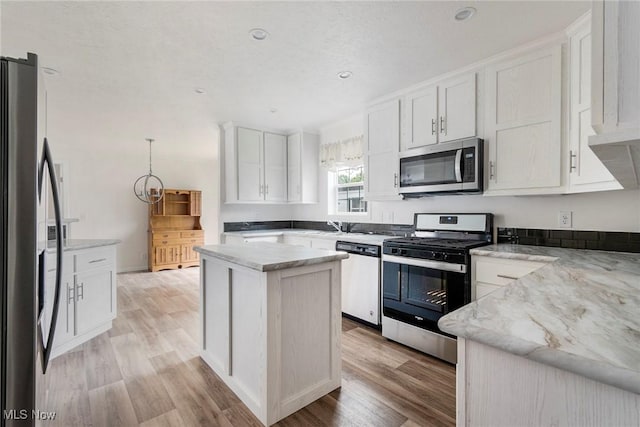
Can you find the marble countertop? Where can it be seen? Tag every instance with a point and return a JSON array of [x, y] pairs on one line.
[[76, 244], [373, 239], [267, 256], [580, 313]]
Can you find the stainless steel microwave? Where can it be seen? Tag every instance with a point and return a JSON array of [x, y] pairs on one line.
[[453, 167]]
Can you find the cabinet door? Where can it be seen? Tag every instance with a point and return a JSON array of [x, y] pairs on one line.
[[195, 203], [523, 122], [294, 171], [167, 254], [457, 108], [95, 299], [275, 167], [187, 254], [586, 171], [382, 128], [249, 155], [65, 324], [422, 118]]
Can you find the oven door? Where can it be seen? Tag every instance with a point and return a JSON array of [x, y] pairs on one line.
[[419, 292]]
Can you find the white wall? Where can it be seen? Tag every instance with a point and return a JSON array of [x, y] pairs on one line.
[[102, 144], [609, 210]]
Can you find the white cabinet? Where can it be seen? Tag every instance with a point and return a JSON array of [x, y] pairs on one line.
[[249, 154], [302, 164], [275, 167], [382, 135], [88, 297], [490, 273], [586, 171], [441, 112], [523, 123]]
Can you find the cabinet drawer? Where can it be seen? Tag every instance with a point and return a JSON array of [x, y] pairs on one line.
[[164, 235], [192, 233], [483, 289], [94, 258], [192, 242], [501, 271], [167, 242]]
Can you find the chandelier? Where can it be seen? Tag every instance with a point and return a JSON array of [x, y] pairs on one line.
[[149, 188]]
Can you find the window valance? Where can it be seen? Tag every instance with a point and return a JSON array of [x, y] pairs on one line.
[[347, 152]]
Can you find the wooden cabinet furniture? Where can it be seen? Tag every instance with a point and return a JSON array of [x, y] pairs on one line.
[[523, 123], [382, 136], [302, 167], [87, 300], [586, 171], [489, 274], [174, 229], [441, 112]]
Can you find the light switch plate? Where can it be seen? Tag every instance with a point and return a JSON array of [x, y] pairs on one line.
[[564, 219]]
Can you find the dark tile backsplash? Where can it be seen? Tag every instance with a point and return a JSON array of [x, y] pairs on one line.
[[352, 227], [575, 239]]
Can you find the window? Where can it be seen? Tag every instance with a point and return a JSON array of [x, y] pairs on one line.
[[350, 190]]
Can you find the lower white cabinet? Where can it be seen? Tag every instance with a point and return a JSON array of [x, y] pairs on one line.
[[489, 273], [87, 300]]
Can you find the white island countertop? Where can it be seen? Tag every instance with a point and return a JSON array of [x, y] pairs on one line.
[[580, 313], [267, 256]]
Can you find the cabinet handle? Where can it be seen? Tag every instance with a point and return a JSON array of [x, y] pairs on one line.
[[433, 126], [298, 189], [491, 173], [260, 189], [572, 156], [266, 189], [70, 292], [395, 179], [97, 260], [80, 294], [443, 129], [164, 242], [504, 276]]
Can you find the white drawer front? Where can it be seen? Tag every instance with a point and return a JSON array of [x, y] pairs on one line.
[[91, 259], [502, 271]]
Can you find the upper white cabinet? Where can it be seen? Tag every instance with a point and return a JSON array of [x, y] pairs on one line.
[[615, 88], [586, 171], [302, 164], [440, 112], [523, 123], [268, 167], [275, 167], [382, 136]]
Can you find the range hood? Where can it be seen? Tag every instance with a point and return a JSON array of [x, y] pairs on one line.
[[620, 153]]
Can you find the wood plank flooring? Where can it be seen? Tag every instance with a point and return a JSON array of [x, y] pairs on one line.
[[146, 371]]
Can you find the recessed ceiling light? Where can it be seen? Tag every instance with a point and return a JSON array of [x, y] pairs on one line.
[[199, 90], [465, 14], [258, 34], [273, 110], [50, 71], [345, 74]]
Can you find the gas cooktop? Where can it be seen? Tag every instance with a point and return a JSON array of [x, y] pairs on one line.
[[434, 243]]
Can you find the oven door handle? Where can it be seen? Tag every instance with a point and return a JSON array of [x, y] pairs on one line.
[[436, 265], [457, 167]]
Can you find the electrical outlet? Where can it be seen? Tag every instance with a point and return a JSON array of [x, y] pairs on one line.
[[564, 219]]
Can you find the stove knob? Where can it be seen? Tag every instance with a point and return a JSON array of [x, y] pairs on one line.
[[403, 251], [445, 257], [437, 255]]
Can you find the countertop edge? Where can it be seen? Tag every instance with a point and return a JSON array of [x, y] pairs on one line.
[[79, 244]]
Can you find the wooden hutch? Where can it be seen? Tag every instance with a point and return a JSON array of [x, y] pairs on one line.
[[174, 229]]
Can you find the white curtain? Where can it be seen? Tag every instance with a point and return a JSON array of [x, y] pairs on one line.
[[348, 152]]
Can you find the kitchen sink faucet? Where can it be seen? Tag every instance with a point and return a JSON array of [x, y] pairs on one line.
[[337, 226]]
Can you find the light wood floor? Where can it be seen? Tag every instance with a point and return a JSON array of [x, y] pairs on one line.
[[146, 371]]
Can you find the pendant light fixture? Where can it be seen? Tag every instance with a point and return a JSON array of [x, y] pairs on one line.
[[149, 188]]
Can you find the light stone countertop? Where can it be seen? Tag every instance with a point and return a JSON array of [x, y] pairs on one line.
[[267, 256], [373, 239], [76, 244], [579, 313]]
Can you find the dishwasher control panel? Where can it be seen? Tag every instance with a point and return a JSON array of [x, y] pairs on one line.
[[358, 248]]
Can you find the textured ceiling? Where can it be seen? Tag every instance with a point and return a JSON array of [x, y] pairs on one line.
[[149, 56]]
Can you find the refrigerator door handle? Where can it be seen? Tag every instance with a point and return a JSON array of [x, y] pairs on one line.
[[46, 349]]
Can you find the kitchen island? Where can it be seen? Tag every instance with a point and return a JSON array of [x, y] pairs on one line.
[[559, 346], [270, 317]]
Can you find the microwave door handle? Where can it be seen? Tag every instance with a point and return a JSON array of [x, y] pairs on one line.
[[46, 157], [458, 169]]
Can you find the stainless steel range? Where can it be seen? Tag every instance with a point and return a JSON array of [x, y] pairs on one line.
[[429, 275]]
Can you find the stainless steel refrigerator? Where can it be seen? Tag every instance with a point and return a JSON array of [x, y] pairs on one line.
[[28, 304]]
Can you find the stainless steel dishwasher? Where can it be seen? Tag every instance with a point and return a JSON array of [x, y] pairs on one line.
[[361, 281]]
